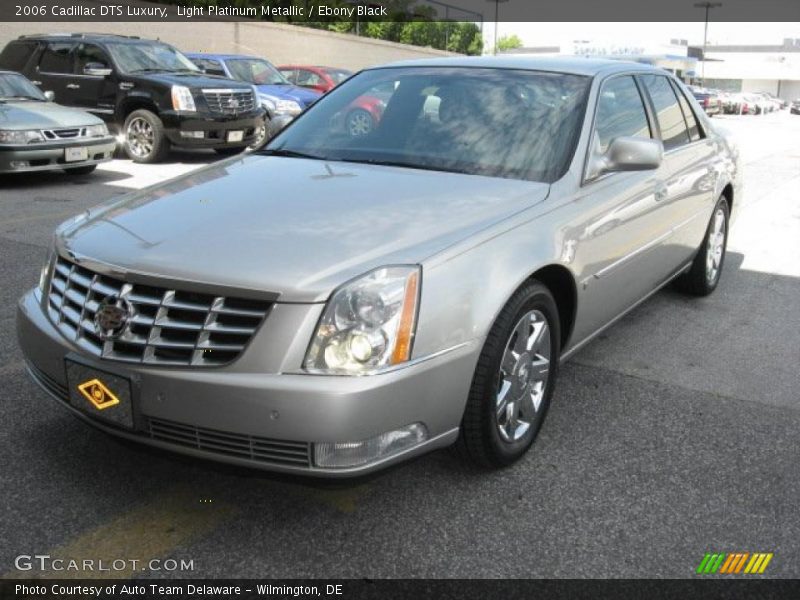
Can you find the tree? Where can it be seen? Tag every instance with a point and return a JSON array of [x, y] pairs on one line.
[[508, 42]]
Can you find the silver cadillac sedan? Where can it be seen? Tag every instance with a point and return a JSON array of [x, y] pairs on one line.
[[336, 303]]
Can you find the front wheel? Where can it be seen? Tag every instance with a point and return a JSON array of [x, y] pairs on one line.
[[513, 381], [145, 141], [359, 122], [703, 276]]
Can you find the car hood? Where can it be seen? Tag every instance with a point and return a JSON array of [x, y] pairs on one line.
[[295, 227], [29, 114], [193, 80], [291, 92]]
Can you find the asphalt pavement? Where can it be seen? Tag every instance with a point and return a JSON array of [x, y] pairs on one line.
[[672, 435]]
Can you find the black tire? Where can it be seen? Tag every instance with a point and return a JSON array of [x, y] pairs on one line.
[[359, 122], [230, 151], [480, 440], [159, 147], [80, 170], [698, 281]]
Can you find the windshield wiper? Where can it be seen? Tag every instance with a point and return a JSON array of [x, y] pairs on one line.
[[398, 163], [148, 70], [289, 153]]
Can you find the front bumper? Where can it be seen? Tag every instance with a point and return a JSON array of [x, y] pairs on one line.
[[213, 127], [48, 156], [218, 413]]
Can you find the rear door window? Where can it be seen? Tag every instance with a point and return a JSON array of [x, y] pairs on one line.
[[57, 58], [674, 132], [695, 133]]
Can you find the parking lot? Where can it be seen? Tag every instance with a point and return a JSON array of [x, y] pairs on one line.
[[672, 435]]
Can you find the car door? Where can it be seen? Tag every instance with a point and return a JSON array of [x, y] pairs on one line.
[[689, 163], [55, 72], [96, 93], [622, 216]]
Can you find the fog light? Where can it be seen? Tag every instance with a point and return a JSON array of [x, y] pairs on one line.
[[353, 454], [193, 134]]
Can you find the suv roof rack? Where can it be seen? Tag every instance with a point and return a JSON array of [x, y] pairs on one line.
[[79, 35]]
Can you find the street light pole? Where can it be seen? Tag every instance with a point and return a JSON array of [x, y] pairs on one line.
[[708, 6], [496, 17]]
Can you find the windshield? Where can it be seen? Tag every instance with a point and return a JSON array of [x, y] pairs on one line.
[[338, 75], [149, 56], [496, 122], [255, 70], [18, 87]]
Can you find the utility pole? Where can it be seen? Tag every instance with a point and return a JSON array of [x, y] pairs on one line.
[[496, 18], [708, 6]]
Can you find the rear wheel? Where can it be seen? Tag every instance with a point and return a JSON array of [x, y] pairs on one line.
[[513, 381], [85, 170], [145, 141], [703, 276]]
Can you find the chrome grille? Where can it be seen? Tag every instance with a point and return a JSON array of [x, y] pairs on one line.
[[232, 444], [167, 326], [228, 101]]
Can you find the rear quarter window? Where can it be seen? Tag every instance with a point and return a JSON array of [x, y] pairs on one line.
[[15, 56]]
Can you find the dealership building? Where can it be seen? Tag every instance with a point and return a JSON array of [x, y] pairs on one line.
[[735, 68]]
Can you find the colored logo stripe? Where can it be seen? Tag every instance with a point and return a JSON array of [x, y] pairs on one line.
[[734, 562]]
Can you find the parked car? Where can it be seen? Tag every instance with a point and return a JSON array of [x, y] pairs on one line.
[[39, 135], [367, 302], [759, 105], [282, 100], [147, 91], [795, 107], [710, 102], [321, 79]]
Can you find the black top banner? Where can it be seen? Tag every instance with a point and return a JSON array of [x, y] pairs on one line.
[[401, 10]]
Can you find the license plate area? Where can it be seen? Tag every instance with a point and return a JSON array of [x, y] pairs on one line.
[[235, 136], [75, 154], [100, 394]]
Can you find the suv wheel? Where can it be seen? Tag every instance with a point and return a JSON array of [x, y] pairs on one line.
[[514, 380], [145, 141]]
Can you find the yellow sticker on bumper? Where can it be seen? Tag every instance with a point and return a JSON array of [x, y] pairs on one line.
[[98, 394]]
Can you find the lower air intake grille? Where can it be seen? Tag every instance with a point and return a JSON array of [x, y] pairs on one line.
[[260, 449]]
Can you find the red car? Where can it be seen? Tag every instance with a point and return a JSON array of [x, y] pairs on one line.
[[322, 79]]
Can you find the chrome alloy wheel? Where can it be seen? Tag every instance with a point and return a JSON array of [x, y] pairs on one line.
[[359, 122], [140, 137], [522, 379], [716, 246]]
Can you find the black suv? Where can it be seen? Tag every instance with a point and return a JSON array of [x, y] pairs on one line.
[[145, 90]]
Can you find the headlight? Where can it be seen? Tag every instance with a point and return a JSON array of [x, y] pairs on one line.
[[21, 137], [97, 130], [182, 98], [368, 324], [278, 106]]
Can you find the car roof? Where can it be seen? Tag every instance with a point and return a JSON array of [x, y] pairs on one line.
[[576, 65], [95, 37]]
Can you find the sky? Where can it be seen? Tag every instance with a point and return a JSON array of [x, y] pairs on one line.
[[553, 34]]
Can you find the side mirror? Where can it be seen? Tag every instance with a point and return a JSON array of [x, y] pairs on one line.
[[50, 95], [627, 154], [96, 69]]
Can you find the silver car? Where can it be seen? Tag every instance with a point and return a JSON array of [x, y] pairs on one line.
[[39, 135], [333, 304]]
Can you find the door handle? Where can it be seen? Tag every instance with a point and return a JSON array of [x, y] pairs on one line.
[[73, 86], [661, 192], [34, 82]]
